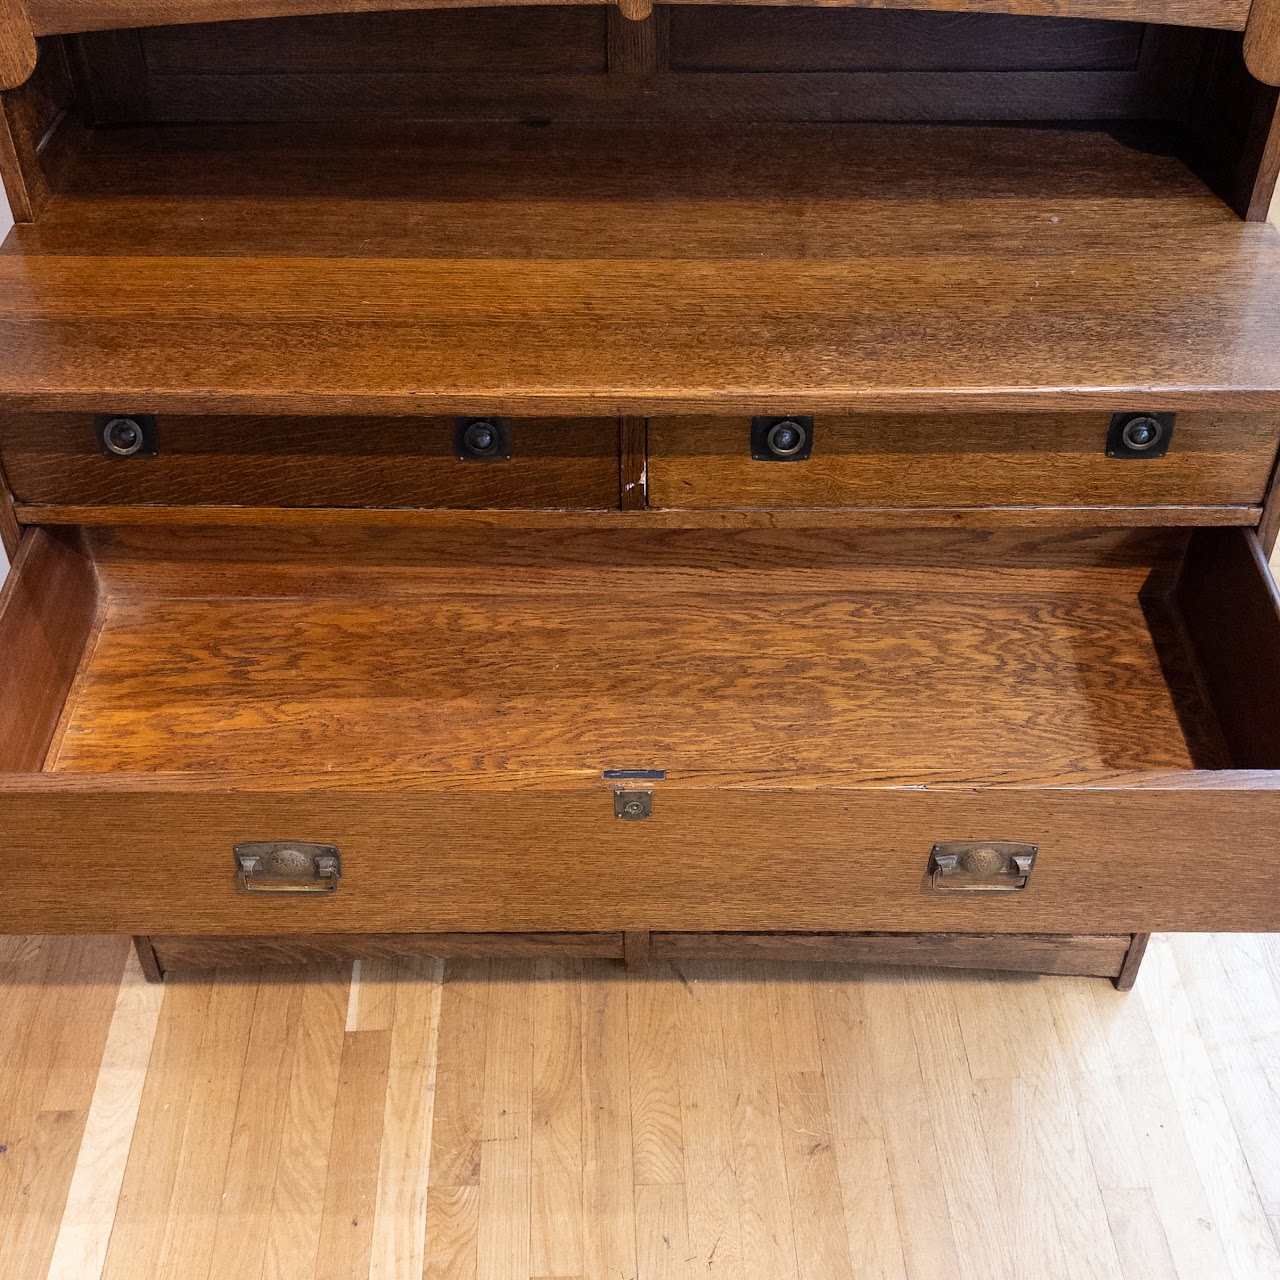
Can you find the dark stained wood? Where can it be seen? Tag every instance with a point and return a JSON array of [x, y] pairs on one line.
[[1088, 955], [1231, 609], [1009, 328], [1230, 137], [679, 518], [16, 186], [1054, 459], [795, 40], [1269, 522], [194, 952], [633, 476], [637, 48], [1128, 974], [489, 41], [1267, 172], [1262, 40], [149, 962], [10, 529], [48, 16], [39, 135], [543, 63], [17, 44], [1095, 955], [635, 949], [314, 462], [501, 191], [47, 609]]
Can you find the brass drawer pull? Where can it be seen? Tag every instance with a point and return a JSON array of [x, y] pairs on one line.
[[282, 866], [981, 866]]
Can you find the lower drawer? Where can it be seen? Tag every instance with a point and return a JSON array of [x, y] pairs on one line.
[[622, 730], [963, 460]]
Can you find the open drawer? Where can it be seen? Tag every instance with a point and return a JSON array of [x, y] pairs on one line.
[[612, 727]]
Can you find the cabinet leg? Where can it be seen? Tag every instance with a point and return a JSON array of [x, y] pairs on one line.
[[147, 959], [635, 949], [1128, 974]]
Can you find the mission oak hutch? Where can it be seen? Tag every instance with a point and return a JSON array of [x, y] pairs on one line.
[[623, 481]]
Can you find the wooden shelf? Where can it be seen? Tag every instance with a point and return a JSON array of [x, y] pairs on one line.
[[579, 270]]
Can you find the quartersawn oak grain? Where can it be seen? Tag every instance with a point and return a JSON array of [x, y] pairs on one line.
[[317, 462], [47, 609], [1262, 41], [1113, 859], [17, 44], [1023, 323], [1050, 459]]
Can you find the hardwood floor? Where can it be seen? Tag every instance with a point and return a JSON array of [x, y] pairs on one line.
[[496, 1119]]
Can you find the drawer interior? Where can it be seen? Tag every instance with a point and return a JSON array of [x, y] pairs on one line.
[[486, 656]]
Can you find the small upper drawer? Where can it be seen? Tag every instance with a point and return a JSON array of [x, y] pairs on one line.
[[314, 462], [963, 460]]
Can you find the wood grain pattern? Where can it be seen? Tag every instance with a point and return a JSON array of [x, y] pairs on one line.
[[1262, 41], [1052, 459], [40, 135], [602, 190], [833, 519], [1115, 859], [56, 1002], [17, 44], [445, 337], [175, 953], [1097, 954], [318, 462], [1037, 316], [1143, 1100], [47, 609], [94, 1189], [10, 529], [1128, 974], [51, 16], [740, 674]]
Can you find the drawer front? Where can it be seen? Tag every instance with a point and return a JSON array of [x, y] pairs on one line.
[[939, 460], [313, 462], [127, 857]]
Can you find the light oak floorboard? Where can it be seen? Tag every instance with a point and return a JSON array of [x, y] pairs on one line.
[[475, 1120]]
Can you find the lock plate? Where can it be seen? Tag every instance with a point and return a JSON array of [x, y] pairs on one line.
[[981, 866], [482, 440], [632, 806], [1140, 435], [781, 439], [127, 435], [287, 866]]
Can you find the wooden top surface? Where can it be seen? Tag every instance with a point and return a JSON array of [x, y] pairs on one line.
[[573, 270]]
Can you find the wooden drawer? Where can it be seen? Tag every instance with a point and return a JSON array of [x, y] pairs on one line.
[[809, 716], [312, 462], [963, 460]]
